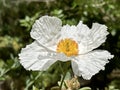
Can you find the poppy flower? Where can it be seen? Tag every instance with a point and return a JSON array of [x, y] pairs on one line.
[[54, 42]]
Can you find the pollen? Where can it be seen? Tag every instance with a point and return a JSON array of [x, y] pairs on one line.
[[68, 46]]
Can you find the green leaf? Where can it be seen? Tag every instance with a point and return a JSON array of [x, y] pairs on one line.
[[85, 88]]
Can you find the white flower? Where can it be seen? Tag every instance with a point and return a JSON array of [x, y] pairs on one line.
[[55, 42]]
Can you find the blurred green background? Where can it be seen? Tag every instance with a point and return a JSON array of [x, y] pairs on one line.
[[16, 19]]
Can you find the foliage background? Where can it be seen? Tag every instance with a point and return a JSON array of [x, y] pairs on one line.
[[16, 19]]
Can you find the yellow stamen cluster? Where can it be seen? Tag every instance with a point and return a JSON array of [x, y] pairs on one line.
[[68, 46]]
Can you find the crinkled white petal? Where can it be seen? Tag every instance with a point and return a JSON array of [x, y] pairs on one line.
[[36, 57], [45, 29], [83, 30], [93, 38], [74, 32], [68, 31], [91, 63]]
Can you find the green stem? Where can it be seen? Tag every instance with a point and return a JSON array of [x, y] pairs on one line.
[[62, 81], [63, 73]]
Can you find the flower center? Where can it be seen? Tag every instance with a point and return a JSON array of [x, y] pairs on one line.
[[68, 47]]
